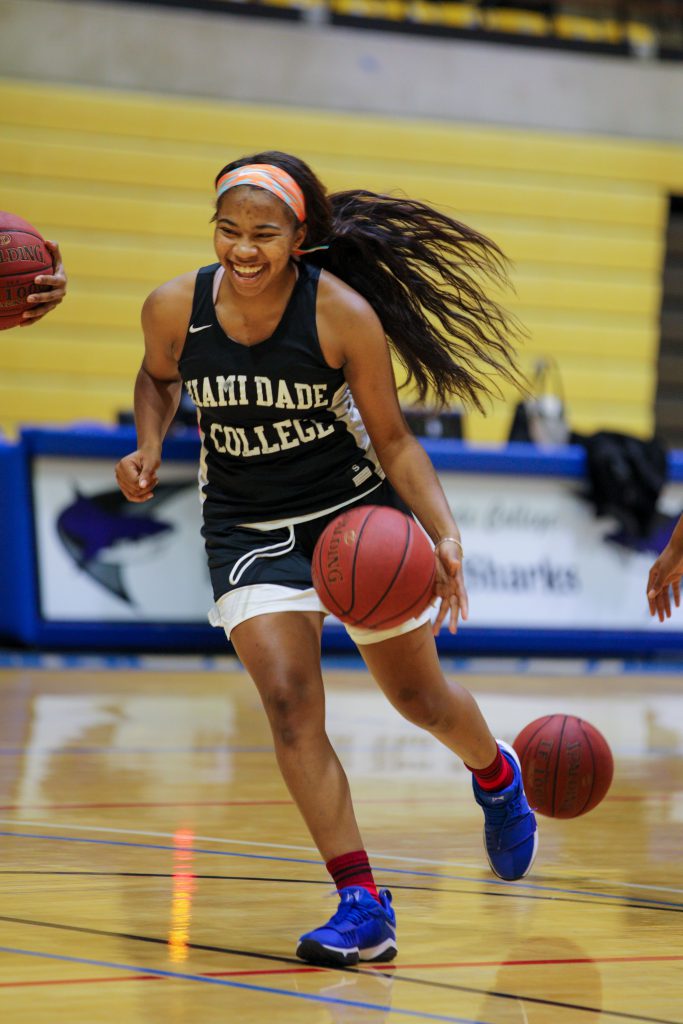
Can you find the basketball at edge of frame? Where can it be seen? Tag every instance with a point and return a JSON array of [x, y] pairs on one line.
[[374, 567], [567, 765], [23, 256]]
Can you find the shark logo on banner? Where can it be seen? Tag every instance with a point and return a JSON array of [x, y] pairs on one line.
[[98, 531]]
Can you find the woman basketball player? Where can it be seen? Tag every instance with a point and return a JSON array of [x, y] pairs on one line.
[[282, 346]]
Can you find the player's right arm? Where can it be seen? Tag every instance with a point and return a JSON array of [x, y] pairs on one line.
[[165, 319]]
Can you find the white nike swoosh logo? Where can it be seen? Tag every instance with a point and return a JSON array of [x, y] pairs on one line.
[[193, 329]]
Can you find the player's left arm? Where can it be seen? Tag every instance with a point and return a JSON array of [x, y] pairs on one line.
[[55, 283], [352, 337]]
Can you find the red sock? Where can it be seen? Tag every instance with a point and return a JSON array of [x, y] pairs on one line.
[[498, 775], [353, 869]]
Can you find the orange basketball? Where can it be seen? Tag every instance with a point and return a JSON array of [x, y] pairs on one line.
[[23, 255], [567, 765], [374, 567]]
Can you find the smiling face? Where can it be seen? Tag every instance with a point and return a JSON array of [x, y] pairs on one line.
[[254, 238]]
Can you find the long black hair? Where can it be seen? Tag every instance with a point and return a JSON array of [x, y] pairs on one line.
[[421, 271]]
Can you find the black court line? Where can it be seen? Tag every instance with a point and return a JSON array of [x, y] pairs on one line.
[[275, 958], [510, 887], [497, 894]]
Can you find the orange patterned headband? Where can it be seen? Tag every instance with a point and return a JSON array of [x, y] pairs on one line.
[[272, 179]]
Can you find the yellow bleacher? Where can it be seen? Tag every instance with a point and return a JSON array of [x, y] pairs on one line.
[[124, 182], [599, 27]]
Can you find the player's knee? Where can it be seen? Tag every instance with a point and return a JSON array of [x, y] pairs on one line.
[[292, 710], [425, 710]]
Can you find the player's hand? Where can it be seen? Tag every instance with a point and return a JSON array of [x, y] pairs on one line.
[[663, 580], [43, 302], [136, 474], [450, 586]]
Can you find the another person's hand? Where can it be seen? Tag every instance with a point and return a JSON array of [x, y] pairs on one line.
[[136, 474], [450, 586], [665, 579], [43, 302]]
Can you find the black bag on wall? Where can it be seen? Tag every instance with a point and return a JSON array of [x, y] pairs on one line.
[[625, 477]]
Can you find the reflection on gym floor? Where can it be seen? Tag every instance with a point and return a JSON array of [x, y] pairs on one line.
[[154, 867]]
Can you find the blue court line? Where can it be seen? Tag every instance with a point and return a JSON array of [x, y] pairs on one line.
[[160, 846], [509, 886], [224, 982]]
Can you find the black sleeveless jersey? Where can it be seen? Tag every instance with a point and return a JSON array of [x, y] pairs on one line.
[[281, 435]]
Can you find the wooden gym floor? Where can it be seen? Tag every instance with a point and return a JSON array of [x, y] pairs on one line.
[[153, 867]]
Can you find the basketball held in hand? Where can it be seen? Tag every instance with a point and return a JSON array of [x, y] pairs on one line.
[[23, 256], [567, 765], [374, 567]]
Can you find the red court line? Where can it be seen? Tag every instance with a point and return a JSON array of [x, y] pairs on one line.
[[208, 803], [155, 977], [78, 981], [285, 803], [370, 967]]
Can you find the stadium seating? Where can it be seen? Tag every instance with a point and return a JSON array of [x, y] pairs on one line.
[[639, 26]]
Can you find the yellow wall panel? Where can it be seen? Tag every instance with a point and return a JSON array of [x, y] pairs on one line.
[[252, 126], [545, 244], [105, 163], [146, 263], [94, 210], [124, 182], [30, 401], [46, 354], [98, 309], [551, 333], [545, 292], [169, 211]]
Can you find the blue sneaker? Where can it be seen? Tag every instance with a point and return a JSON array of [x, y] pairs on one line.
[[510, 835], [362, 929]]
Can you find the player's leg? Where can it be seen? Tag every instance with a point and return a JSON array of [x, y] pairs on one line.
[[266, 604], [281, 652], [407, 668]]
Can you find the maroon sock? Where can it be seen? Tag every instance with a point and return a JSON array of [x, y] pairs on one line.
[[498, 775], [353, 869]]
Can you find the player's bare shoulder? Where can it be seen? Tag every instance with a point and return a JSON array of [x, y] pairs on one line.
[[344, 318], [338, 299], [166, 312], [170, 299]]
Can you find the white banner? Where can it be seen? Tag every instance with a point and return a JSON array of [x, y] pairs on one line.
[[536, 555]]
